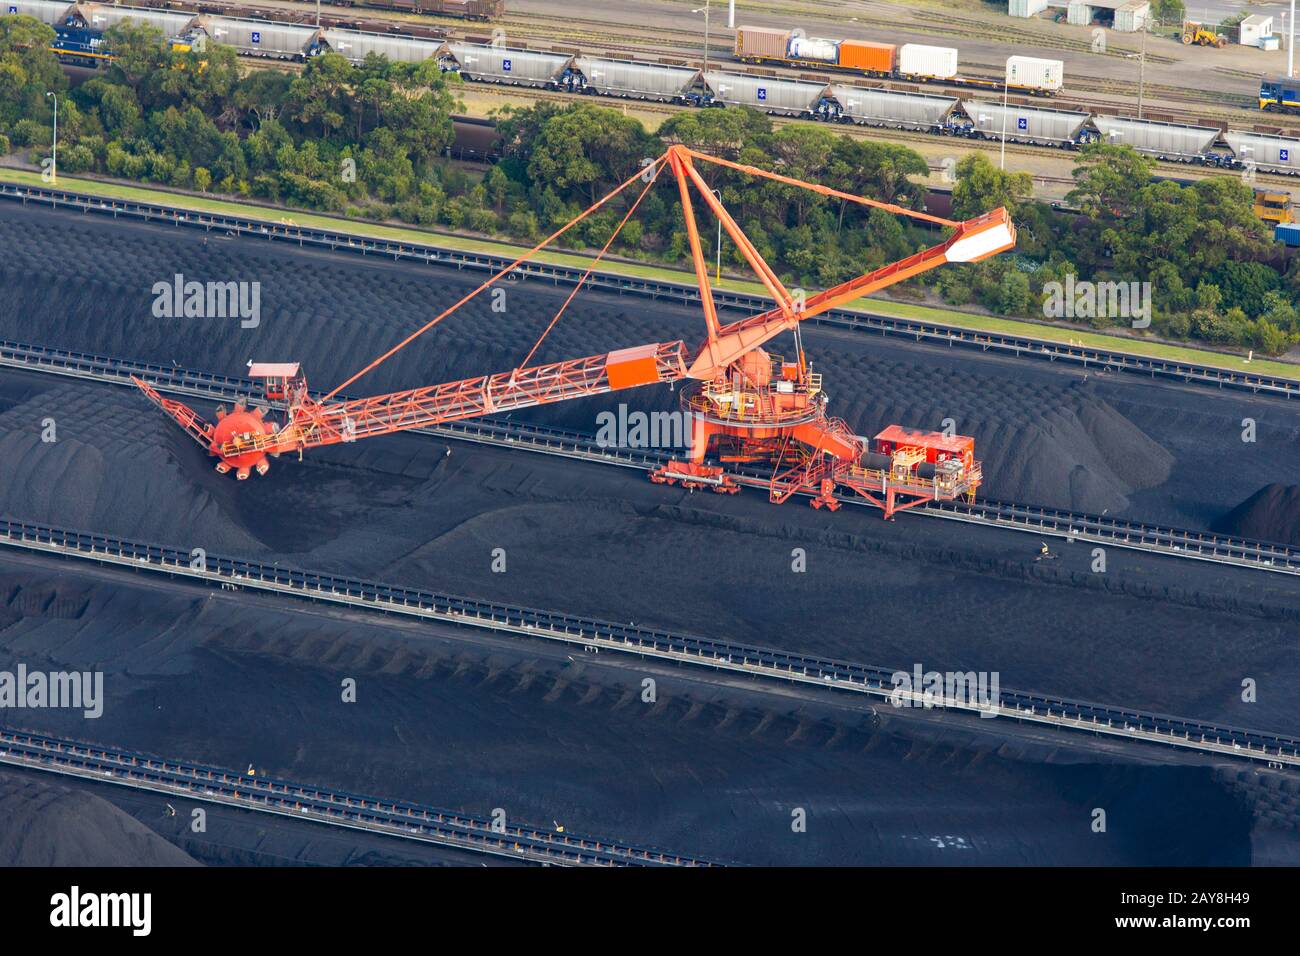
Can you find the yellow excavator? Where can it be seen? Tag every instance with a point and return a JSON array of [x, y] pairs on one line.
[[1198, 34]]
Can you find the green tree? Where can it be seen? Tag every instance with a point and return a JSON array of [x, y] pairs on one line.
[[876, 170], [584, 151], [319, 97], [1109, 180], [138, 54], [1169, 11], [27, 70], [260, 96], [720, 132], [981, 187], [204, 79]]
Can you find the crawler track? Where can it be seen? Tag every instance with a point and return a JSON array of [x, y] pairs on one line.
[[411, 821]]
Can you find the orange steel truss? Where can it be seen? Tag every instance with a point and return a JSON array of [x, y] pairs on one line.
[[811, 455]]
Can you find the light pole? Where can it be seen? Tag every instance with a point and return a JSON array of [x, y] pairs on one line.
[[731, 14], [1142, 66], [54, 159], [1290, 46], [718, 280], [1006, 108], [705, 10]]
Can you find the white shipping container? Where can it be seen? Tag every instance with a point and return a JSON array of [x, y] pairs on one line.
[[1029, 72], [915, 59], [1254, 28], [1133, 17], [809, 48], [1026, 8]]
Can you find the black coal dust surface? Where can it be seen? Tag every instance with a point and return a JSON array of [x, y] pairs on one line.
[[50, 823], [237, 837], [1270, 514], [472, 723], [1051, 435], [1146, 632], [589, 539]]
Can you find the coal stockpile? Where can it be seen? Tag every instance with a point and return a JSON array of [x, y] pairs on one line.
[[401, 508], [471, 723], [590, 539], [1046, 437], [108, 467], [53, 824], [464, 720], [1043, 442], [1270, 514], [1225, 445]]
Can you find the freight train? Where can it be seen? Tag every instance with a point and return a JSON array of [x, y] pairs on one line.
[[914, 62], [460, 9], [831, 102], [925, 112], [1280, 95], [464, 9]]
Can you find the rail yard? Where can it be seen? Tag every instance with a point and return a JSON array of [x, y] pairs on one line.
[[467, 433], [1200, 138]]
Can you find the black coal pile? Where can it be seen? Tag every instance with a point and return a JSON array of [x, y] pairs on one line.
[[80, 458], [1270, 514], [53, 825], [1045, 439], [1049, 442]]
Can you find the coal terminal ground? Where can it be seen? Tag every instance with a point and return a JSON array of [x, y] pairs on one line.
[[1158, 633]]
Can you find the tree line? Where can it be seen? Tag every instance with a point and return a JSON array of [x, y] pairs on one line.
[[370, 140]]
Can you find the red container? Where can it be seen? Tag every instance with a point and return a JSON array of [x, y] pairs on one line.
[[938, 446]]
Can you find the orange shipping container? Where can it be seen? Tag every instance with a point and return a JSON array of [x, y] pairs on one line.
[[868, 57]]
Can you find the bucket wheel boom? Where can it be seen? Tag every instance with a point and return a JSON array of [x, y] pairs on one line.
[[241, 440]]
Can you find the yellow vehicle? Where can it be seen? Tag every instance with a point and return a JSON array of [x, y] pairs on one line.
[[1273, 207], [195, 41], [1196, 33]]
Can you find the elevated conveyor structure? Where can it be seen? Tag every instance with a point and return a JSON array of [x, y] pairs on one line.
[[744, 404]]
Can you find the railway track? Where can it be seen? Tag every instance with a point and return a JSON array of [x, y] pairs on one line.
[[651, 109], [625, 50], [872, 682], [683, 45], [852, 130], [410, 821], [686, 45], [856, 321], [516, 94]]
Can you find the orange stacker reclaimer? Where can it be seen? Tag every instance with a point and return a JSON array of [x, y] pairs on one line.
[[745, 404]]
